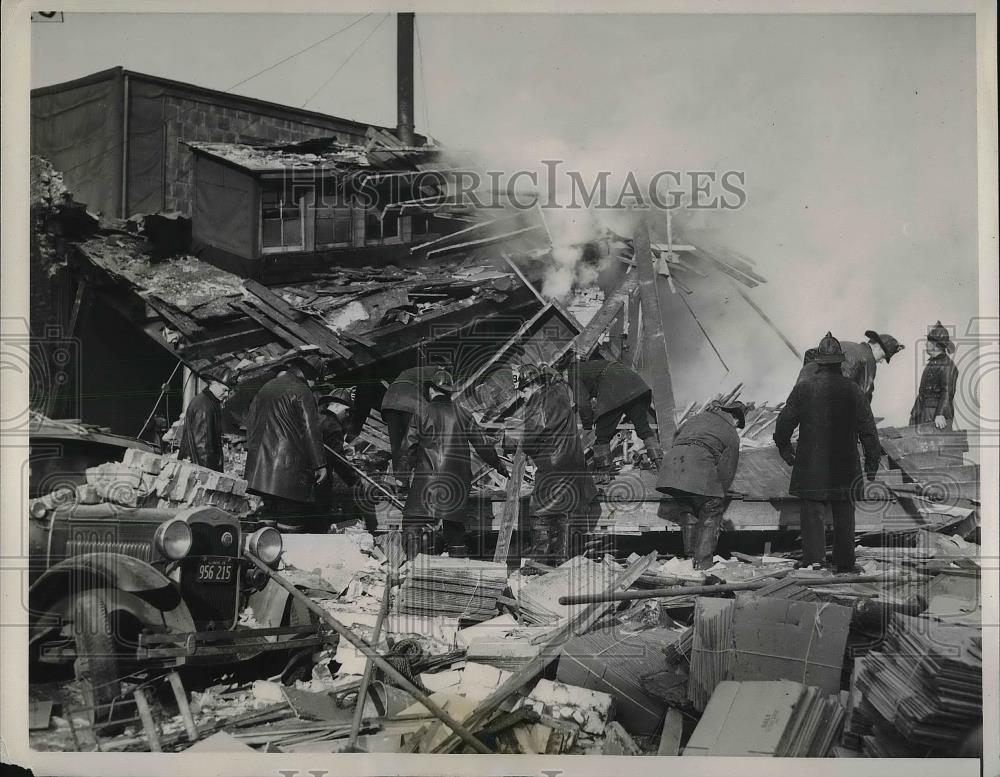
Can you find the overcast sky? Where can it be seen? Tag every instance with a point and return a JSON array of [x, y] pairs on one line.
[[856, 133]]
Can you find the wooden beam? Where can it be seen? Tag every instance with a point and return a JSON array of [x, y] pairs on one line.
[[654, 339], [587, 340], [302, 325], [277, 329], [484, 241], [768, 321], [511, 506]]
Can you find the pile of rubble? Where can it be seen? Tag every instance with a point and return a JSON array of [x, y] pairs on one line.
[[146, 479], [751, 657]]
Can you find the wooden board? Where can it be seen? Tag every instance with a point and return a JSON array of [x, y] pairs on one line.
[[511, 506]]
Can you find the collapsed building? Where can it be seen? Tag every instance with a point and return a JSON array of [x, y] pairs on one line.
[[252, 252]]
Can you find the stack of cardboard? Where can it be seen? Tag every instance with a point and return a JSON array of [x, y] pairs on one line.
[[538, 599], [926, 681], [763, 638], [453, 587], [144, 479], [768, 718], [711, 648]]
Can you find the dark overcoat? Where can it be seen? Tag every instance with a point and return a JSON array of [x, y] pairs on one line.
[[201, 441], [563, 486], [408, 389], [284, 442], [611, 383], [832, 415], [703, 457], [437, 451], [936, 395]]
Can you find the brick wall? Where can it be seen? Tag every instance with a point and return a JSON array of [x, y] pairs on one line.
[[187, 119]]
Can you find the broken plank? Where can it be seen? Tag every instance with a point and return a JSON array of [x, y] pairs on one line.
[[280, 331], [484, 241], [587, 340], [296, 321], [511, 506], [670, 737], [180, 321]]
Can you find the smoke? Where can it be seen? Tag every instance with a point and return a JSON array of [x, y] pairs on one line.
[[859, 161]]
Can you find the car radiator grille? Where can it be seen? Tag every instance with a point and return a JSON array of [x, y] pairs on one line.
[[140, 550]]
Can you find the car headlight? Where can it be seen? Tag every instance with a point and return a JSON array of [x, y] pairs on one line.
[[37, 509], [173, 539], [265, 544]]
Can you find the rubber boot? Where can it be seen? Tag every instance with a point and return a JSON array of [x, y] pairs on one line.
[[558, 539], [539, 548], [706, 539], [654, 451], [602, 463]]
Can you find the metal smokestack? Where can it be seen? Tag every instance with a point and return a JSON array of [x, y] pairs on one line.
[[404, 78]]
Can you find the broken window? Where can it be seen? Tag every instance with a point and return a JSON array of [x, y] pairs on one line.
[[281, 221], [333, 225], [379, 227], [420, 224]]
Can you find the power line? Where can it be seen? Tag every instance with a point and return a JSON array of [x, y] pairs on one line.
[[297, 53], [344, 63]]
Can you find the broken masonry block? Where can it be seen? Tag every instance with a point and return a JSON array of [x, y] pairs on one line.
[[86, 494]]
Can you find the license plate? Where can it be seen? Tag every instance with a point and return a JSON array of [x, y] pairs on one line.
[[214, 571]]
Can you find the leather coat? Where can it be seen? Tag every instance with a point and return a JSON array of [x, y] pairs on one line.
[[201, 441], [832, 415], [436, 451], [703, 457], [563, 486], [611, 383], [936, 395], [284, 442]]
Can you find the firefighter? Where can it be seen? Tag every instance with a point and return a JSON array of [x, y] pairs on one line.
[[285, 460], [563, 507], [437, 453], [606, 390], [400, 402], [201, 441], [832, 415], [860, 360], [697, 472], [335, 412], [935, 400]]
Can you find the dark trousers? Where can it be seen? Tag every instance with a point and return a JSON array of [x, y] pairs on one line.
[[700, 519], [812, 520], [637, 411], [558, 537], [294, 517], [398, 422]]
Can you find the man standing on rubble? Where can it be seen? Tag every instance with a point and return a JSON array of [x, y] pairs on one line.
[[563, 509], [935, 400], [606, 390], [437, 452], [285, 459], [860, 360], [400, 402], [335, 409], [697, 472], [201, 441], [832, 415]]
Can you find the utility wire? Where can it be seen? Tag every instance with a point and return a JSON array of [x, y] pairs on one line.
[[297, 53], [344, 63]]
